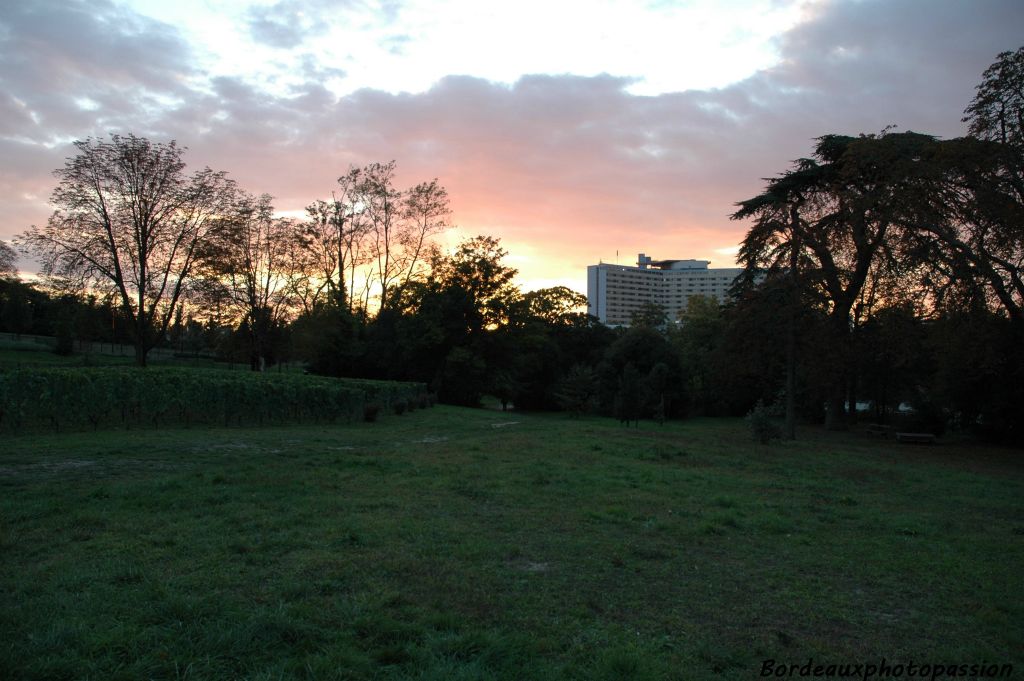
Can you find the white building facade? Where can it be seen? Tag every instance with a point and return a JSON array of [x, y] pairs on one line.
[[615, 292]]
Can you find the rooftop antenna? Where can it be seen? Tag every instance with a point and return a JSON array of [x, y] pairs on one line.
[[616, 256]]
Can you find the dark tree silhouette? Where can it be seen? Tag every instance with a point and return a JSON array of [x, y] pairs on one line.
[[997, 111], [129, 219], [8, 258], [831, 222]]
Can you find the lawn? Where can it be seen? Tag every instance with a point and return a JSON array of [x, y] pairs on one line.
[[474, 544]]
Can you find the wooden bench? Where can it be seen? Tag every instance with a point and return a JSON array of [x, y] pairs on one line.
[[916, 438], [879, 429]]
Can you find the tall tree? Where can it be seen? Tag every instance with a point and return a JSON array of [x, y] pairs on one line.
[[966, 231], [426, 212], [476, 269], [400, 225], [997, 111], [128, 218], [334, 234], [829, 222], [381, 202], [256, 261]]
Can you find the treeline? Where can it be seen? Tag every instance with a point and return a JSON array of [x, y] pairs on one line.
[[883, 270], [466, 331]]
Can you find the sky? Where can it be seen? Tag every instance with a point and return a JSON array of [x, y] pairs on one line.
[[576, 131]]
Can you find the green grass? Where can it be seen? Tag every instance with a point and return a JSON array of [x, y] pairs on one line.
[[461, 544]]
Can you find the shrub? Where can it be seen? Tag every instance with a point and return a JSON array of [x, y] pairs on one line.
[[762, 424], [370, 412], [94, 397]]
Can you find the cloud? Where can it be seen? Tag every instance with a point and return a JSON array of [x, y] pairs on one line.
[[288, 24], [283, 25], [566, 169], [66, 66]]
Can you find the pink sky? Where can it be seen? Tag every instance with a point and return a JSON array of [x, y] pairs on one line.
[[565, 169]]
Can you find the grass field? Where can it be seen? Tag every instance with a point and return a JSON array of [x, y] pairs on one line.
[[461, 544]]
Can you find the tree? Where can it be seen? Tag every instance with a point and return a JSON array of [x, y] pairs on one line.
[[333, 237], [426, 212], [997, 111], [476, 269], [558, 306], [255, 260], [16, 306], [641, 349], [629, 397], [129, 219], [965, 230], [649, 316], [831, 223], [8, 258], [975, 239], [400, 225], [578, 391], [700, 331]]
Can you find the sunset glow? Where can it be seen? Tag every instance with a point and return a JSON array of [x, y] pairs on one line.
[[575, 132]]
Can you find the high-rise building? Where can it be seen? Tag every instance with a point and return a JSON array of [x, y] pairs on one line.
[[615, 292]]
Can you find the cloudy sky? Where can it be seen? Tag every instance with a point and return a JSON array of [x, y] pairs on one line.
[[571, 129]]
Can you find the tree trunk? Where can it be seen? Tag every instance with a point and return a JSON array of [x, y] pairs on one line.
[[789, 432], [852, 400], [835, 414]]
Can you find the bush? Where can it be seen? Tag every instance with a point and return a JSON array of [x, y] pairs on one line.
[[370, 412], [399, 407], [762, 424]]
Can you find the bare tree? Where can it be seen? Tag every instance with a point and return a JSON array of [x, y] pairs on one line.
[[371, 239], [129, 219], [427, 213], [400, 224], [334, 235], [382, 204], [256, 263]]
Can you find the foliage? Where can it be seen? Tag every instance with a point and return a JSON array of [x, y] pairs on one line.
[[373, 231], [8, 260], [763, 423], [629, 397], [887, 221], [649, 316], [558, 305], [463, 378], [643, 349], [578, 391], [977, 379], [72, 399], [700, 331], [476, 271], [997, 110], [828, 222], [65, 332]]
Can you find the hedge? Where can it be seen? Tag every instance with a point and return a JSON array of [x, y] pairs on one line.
[[101, 397]]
